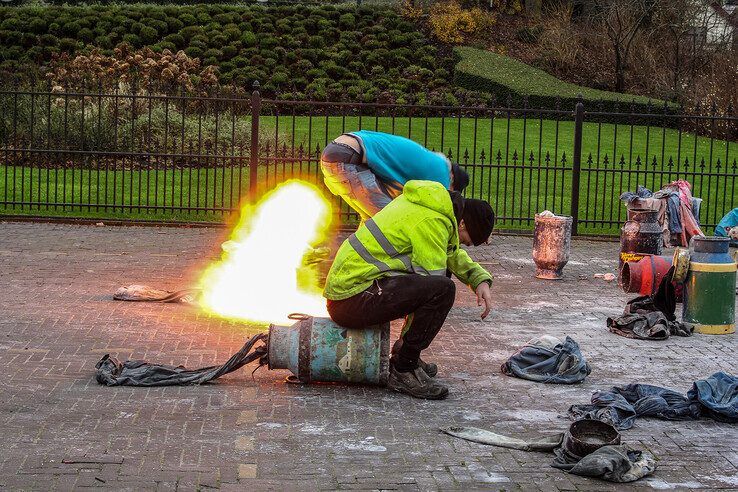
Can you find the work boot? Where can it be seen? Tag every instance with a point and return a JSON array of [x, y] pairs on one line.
[[430, 368], [416, 383]]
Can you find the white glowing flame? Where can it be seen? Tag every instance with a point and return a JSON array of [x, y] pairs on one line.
[[260, 276]]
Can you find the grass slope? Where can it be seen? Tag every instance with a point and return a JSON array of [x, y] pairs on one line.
[[483, 70]]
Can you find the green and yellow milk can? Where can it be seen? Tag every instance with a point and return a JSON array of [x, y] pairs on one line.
[[709, 288]]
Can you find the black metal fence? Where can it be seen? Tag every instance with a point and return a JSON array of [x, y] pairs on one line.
[[181, 156]]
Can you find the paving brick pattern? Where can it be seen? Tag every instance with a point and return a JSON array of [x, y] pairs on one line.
[[61, 430]]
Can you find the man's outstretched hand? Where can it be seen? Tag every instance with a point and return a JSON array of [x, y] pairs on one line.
[[484, 295]]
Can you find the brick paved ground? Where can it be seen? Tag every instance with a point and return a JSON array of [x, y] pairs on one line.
[[61, 430]]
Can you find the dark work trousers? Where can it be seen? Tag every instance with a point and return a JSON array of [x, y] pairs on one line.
[[424, 302]]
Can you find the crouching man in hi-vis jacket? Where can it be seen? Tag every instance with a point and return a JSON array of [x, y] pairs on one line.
[[394, 266]]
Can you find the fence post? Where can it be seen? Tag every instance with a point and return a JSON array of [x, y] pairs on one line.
[[254, 159], [577, 163]]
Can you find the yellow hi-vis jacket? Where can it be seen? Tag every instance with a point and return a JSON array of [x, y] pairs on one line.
[[415, 233]]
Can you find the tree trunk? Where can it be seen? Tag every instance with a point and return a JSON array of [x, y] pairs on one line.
[[619, 72], [677, 69]]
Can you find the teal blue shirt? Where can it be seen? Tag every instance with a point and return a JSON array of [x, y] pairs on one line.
[[398, 159]]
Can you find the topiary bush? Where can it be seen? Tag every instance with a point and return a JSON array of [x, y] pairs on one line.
[[309, 51]]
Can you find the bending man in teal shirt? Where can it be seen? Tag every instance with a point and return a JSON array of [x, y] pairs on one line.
[[368, 169]]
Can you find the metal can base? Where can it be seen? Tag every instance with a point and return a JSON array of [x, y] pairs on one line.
[[714, 329], [548, 274]]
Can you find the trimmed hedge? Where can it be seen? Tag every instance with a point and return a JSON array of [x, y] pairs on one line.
[[328, 52], [482, 70]]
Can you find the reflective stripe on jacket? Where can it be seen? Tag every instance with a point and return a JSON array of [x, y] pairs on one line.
[[415, 233]]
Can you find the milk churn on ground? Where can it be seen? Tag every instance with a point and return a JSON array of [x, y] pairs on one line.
[[644, 276], [317, 349], [709, 289], [551, 245], [639, 236]]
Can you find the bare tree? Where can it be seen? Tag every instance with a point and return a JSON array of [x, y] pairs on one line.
[[698, 34], [623, 19]]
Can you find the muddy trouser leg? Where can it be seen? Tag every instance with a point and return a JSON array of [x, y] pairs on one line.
[[428, 299]]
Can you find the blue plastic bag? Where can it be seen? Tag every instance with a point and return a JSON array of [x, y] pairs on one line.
[[730, 220]]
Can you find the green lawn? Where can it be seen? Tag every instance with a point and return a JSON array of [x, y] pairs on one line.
[[182, 195], [516, 187], [521, 135]]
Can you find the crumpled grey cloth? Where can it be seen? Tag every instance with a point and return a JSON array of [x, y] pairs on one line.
[[648, 326], [612, 463], [483, 436], [641, 192], [673, 212], [715, 397], [111, 372], [144, 293], [718, 396], [652, 317], [620, 406], [547, 359]]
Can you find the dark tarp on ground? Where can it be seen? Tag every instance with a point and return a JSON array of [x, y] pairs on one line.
[[111, 372], [547, 359], [715, 397]]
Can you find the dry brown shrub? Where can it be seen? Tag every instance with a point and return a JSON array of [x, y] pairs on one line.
[[127, 68], [645, 72], [716, 92], [560, 44]]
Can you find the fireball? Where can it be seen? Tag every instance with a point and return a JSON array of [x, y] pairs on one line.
[[261, 276]]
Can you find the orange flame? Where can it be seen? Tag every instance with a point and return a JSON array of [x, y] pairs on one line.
[[261, 276]]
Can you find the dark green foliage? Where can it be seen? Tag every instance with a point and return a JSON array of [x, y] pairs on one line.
[[133, 40], [190, 32], [148, 35], [174, 24], [194, 52], [68, 45], [176, 39], [166, 45], [248, 39], [85, 35], [326, 52]]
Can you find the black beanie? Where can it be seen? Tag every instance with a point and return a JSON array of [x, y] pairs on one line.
[[461, 178], [479, 219]]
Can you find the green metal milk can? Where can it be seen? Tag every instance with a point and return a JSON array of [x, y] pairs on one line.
[[317, 349], [709, 289]]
